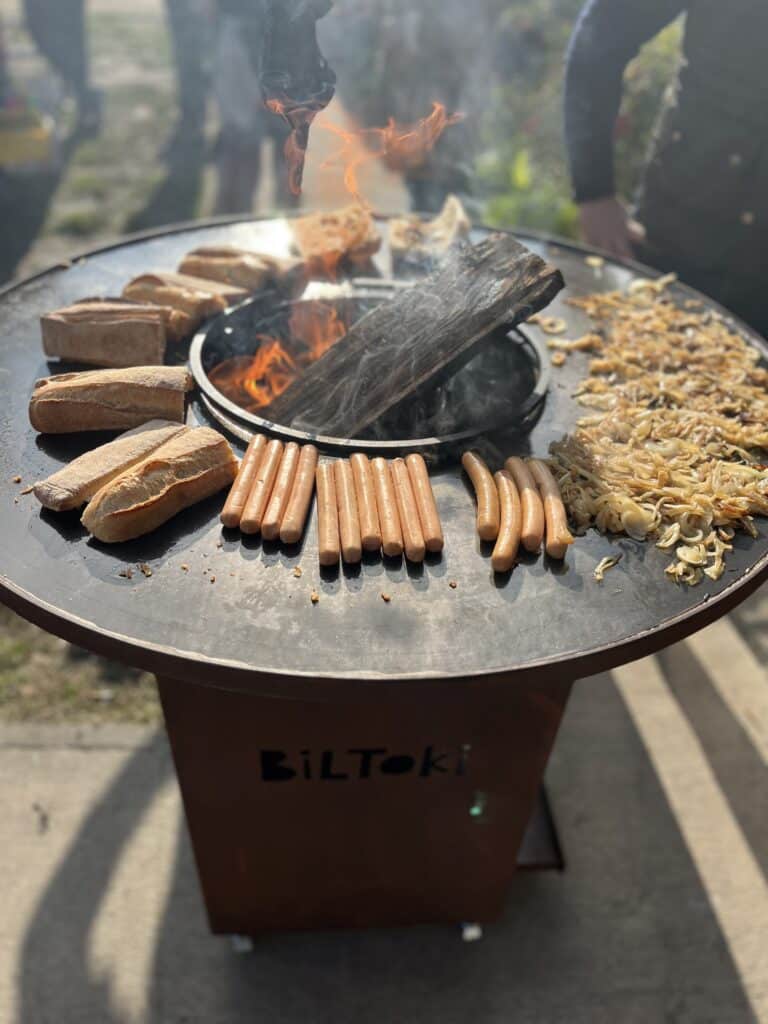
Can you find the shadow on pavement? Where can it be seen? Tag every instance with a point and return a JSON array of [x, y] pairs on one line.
[[625, 934], [737, 765]]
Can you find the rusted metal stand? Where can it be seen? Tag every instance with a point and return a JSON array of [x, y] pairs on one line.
[[394, 811]]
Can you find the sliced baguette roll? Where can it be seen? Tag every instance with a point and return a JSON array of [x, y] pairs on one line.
[[77, 482], [249, 270], [108, 399], [242, 268], [188, 468], [110, 333]]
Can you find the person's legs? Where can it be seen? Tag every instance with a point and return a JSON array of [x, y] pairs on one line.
[[241, 115], [187, 26], [238, 168], [58, 30]]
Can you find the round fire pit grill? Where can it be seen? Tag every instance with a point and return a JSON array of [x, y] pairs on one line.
[[397, 778], [514, 368]]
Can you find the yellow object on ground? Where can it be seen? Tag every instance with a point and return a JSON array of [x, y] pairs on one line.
[[26, 137]]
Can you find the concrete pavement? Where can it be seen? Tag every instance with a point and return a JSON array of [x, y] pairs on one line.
[[658, 783]]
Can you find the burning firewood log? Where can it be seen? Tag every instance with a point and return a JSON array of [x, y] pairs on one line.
[[403, 343]]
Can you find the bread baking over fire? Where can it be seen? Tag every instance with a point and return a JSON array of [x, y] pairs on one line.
[[329, 237], [190, 467], [108, 399], [78, 481], [411, 236]]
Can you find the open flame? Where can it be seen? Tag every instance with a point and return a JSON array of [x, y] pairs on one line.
[[401, 147], [252, 382]]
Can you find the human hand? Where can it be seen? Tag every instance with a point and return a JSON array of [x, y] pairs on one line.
[[606, 224]]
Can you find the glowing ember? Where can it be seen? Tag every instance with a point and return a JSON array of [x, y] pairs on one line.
[[252, 382], [401, 147]]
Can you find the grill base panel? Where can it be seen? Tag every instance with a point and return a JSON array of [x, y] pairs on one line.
[[414, 811]]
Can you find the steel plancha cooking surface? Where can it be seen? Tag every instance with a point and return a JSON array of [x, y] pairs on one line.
[[255, 628]]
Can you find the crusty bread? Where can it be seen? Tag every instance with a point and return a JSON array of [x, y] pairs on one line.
[[349, 233], [228, 294], [108, 399], [77, 482], [411, 236], [109, 333], [224, 263], [190, 467]]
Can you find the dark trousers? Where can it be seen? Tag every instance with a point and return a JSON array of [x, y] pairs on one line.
[[188, 32], [58, 30]]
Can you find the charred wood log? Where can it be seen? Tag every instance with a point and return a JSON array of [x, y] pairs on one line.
[[401, 345]]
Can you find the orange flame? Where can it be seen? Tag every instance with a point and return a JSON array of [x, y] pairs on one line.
[[254, 381], [401, 147]]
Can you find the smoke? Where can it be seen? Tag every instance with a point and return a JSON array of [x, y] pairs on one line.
[[395, 58]]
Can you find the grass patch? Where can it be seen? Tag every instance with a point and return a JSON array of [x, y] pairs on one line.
[[81, 223], [44, 679]]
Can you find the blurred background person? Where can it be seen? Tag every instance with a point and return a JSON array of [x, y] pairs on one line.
[[58, 30], [191, 29], [395, 58], [245, 125], [702, 210]]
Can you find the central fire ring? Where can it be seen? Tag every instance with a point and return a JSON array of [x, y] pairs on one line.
[[248, 354]]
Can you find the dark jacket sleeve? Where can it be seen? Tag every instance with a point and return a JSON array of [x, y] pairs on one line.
[[607, 35]]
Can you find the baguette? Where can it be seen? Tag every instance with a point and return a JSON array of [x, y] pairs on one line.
[[330, 237], [190, 467], [229, 294], [108, 399], [249, 270], [111, 333], [194, 298], [76, 483]]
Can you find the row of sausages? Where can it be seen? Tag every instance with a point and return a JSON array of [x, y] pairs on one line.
[[368, 505], [362, 504], [273, 490], [520, 504]]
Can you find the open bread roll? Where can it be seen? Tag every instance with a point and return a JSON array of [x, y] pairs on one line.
[[108, 399], [195, 298], [77, 482], [190, 467]]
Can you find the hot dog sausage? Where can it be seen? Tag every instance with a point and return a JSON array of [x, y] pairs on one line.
[[386, 504], [296, 511], [281, 492], [349, 521], [425, 502], [486, 494], [232, 512], [558, 535], [253, 513], [327, 515], [533, 510], [413, 538], [370, 531], [508, 541]]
